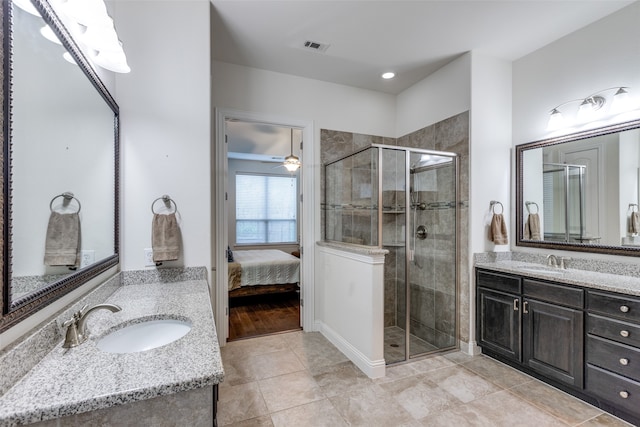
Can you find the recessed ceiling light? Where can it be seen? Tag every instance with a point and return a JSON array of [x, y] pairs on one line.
[[388, 75]]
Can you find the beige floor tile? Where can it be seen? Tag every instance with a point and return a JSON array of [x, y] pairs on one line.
[[420, 398], [605, 420], [371, 406], [341, 378], [459, 357], [300, 339], [500, 409], [263, 421], [396, 372], [462, 383], [287, 391], [315, 355], [556, 402], [262, 366], [431, 363], [252, 347], [239, 403], [497, 372], [316, 414]]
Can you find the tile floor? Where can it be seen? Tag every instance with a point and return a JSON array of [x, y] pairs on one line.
[[300, 379]]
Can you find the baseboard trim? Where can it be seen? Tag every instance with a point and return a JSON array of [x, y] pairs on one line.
[[372, 368]]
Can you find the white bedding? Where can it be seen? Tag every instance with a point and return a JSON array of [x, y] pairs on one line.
[[267, 267]]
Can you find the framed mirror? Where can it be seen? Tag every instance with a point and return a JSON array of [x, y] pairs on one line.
[[581, 192], [60, 180]]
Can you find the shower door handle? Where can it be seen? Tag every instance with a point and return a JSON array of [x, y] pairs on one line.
[[421, 232]]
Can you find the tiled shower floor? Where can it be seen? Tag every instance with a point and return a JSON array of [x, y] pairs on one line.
[[394, 337]]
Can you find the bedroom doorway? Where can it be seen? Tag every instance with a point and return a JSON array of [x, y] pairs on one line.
[[264, 227]]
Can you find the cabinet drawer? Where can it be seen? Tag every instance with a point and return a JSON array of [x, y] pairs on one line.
[[621, 306], [549, 292], [619, 358], [616, 330], [497, 281], [615, 389]]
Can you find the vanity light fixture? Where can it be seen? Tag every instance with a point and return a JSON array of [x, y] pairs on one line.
[[291, 162], [590, 107]]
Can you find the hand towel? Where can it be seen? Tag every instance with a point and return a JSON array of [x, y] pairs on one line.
[[165, 237], [498, 230], [634, 223], [62, 242], [532, 227]]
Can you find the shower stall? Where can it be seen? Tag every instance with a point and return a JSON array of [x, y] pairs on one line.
[[403, 200]]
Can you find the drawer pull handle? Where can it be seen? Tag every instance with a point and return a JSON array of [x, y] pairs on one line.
[[525, 306], [624, 333], [624, 394], [515, 304], [624, 308], [624, 361]]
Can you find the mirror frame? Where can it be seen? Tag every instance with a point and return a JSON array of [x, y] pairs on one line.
[[13, 312], [581, 247]]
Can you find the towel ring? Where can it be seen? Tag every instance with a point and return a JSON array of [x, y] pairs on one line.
[[68, 196], [633, 207], [167, 201], [532, 203], [493, 204]]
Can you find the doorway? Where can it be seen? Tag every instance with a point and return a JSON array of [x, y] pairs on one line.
[[264, 217], [267, 134]]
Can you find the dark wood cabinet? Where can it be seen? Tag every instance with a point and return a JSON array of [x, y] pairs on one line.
[[584, 341], [499, 323], [537, 324], [553, 341]]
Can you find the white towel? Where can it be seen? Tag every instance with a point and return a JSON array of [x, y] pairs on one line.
[[62, 242], [165, 237]]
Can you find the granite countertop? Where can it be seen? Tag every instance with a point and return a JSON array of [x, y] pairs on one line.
[[354, 248], [589, 279], [84, 378]]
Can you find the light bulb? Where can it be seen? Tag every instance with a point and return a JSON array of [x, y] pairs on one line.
[[621, 101], [556, 120]]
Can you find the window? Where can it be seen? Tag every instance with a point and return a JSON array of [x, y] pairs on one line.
[[266, 209]]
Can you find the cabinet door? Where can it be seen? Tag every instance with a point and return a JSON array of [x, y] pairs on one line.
[[553, 341], [499, 323]]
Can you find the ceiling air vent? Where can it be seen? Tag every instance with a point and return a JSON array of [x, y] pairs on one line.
[[315, 46]]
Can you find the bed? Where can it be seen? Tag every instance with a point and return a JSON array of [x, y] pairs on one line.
[[263, 271]]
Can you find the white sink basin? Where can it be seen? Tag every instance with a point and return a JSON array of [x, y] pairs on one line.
[[144, 336], [543, 270]]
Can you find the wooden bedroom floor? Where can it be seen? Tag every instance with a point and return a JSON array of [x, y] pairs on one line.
[[263, 315]]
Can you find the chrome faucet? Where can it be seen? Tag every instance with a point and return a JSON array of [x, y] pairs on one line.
[[552, 260], [76, 326]]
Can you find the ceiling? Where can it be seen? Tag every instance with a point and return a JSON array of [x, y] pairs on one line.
[[411, 38]]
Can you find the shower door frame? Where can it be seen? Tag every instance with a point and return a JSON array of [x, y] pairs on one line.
[[408, 229]]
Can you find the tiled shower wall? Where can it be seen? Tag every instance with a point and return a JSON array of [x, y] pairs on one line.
[[450, 135]]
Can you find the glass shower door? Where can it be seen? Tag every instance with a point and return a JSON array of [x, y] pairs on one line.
[[431, 253]]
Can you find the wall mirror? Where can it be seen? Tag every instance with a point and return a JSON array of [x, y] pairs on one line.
[[60, 162], [581, 191]]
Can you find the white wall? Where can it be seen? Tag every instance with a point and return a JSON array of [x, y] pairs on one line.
[[489, 177], [165, 124], [443, 94], [599, 56]]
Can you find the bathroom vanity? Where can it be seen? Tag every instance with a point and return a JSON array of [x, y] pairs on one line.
[[574, 329], [173, 384]]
